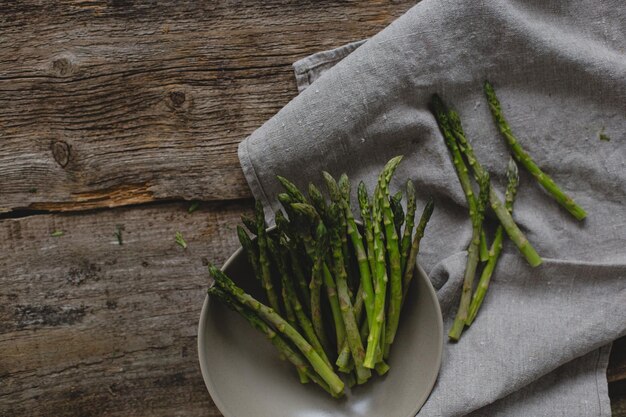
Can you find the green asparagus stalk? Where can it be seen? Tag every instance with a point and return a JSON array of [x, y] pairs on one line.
[[286, 201], [524, 158], [441, 114], [366, 285], [344, 364], [316, 284], [343, 360], [266, 276], [286, 352], [344, 187], [415, 246], [451, 129], [405, 247], [292, 190], [472, 260], [347, 312], [249, 223], [395, 262], [309, 212], [483, 248], [374, 340], [318, 201], [496, 246], [337, 197], [251, 250], [505, 218], [298, 273], [278, 251], [365, 206], [350, 379], [284, 227], [335, 305], [512, 175], [290, 314], [395, 202], [326, 372], [290, 317], [354, 274]]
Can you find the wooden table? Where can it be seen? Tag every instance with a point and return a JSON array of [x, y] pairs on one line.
[[113, 116]]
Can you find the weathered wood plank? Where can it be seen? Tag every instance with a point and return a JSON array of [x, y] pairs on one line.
[[111, 103], [89, 327]]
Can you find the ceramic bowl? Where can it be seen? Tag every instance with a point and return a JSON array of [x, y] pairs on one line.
[[246, 378]]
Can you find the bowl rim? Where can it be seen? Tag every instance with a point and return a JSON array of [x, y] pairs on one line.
[[203, 361]]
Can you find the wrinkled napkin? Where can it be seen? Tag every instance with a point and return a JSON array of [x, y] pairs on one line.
[[541, 342]]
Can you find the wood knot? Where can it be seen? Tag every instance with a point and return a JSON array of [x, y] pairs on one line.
[[178, 98], [62, 67], [61, 152]]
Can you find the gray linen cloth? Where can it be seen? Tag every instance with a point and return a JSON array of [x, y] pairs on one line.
[[541, 342]]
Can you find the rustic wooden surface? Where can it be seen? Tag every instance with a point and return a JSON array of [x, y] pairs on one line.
[[89, 327], [113, 103]]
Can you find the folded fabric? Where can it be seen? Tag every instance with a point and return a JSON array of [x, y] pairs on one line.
[[560, 73]]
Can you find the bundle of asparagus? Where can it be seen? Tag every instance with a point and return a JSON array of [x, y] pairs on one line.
[[334, 290], [463, 155]]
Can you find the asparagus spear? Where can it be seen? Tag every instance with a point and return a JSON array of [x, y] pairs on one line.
[[292, 190], [283, 225], [365, 206], [452, 131], [373, 221], [309, 212], [290, 316], [415, 246], [374, 340], [472, 260], [354, 274], [483, 248], [286, 201], [405, 247], [316, 284], [266, 276], [281, 345], [268, 314], [395, 263], [317, 200], [512, 175], [395, 202], [524, 158], [278, 251], [366, 285], [347, 312], [250, 224], [496, 246], [343, 360], [335, 305], [337, 198], [251, 250]]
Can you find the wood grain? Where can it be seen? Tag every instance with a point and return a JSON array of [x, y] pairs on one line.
[[109, 103], [89, 327]]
